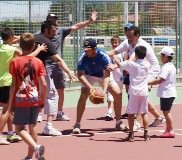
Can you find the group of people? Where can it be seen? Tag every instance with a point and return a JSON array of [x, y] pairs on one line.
[[35, 78]]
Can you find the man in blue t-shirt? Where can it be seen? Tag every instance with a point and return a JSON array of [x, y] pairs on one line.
[[91, 68]]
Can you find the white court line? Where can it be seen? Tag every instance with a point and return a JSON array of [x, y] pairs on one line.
[[106, 133]]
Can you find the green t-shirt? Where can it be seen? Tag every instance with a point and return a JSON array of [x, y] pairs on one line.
[[6, 55]]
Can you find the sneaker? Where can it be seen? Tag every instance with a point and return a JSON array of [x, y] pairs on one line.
[[12, 138], [3, 141], [109, 117], [49, 130], [136, 127], [125, 115], [39, 118], [121, 127], [26, 158], [39, 152], [130, 137], [76, 129], [62, 117], [157, 122], [146, 135], [168, 134]]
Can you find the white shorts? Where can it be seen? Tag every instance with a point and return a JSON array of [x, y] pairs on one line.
[[92, 80], [137, 104]]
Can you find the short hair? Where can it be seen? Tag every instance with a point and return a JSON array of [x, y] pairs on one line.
[[47, 25], [135, 29], [140, 52], [27, 41], [116, 38], [6, 33]]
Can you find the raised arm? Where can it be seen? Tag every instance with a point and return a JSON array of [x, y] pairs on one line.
[[83, 24]]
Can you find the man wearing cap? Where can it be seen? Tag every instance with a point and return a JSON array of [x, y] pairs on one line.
[[56, 73], [91, 69], [133, 40], [167, 88]]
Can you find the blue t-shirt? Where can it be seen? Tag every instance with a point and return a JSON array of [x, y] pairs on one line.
[[94, 66]]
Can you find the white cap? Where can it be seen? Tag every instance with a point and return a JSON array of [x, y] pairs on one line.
[[168, 51]]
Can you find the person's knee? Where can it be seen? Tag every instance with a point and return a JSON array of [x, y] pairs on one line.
[[18, 129]]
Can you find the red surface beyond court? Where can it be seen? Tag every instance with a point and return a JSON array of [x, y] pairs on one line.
[[101, 142]]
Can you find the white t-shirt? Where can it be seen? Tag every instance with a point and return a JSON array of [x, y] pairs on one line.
[[139, 72], [167, 88], [151, 57]]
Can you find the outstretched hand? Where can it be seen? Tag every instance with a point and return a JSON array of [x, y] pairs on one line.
[[112, 67], [93, 17], [42, 47], [72, 77]]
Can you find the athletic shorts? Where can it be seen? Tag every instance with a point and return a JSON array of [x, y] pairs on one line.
[[166, 103], [4, 94], [126, 80], [25, 116], [99, 80], [137, 104], [57, 75]]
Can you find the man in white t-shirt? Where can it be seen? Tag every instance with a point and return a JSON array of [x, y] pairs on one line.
[[133, 40]]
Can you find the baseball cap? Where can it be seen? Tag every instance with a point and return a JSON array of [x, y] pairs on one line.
[[90, 43], [128, 26], [168, 51], [51, 15]]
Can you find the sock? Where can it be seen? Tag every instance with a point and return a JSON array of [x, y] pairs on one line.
[[60, 112], [109, 111], [49, 124], [11, 132]]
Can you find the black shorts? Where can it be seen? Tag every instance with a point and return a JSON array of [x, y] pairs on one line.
[[126, 80], [25, 116], [4, 94], [166, 103]]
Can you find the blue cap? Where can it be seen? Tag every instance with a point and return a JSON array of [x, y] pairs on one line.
[[90, 43], [128, 26]]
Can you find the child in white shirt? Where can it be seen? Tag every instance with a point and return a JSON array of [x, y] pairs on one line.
[[167, 88], [117, 75], [138, 90]]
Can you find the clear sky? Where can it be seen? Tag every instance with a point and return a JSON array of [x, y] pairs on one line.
[[20, 9]]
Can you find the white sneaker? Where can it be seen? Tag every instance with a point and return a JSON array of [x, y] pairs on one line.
[[27, 158], [39, 118], [62, 117], [76, 129], [109, 117], [120, 126], [50, 131], [39, 152], [136, 127], [157, 122], [3, 141]]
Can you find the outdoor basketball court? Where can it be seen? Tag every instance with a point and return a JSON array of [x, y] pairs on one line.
[[100, 141]]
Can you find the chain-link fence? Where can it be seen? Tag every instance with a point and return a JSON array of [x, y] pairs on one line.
[[156, 19]]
